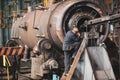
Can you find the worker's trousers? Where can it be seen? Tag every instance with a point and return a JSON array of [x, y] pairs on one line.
[[68, 55]]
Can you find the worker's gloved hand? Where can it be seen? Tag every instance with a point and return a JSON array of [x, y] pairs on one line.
[[78, 33]]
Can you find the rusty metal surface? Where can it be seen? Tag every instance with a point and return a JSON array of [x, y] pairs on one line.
[[28, 35], [54, 22], [65, 11]]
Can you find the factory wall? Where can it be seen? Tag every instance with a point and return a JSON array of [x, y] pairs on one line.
[[4, 36]]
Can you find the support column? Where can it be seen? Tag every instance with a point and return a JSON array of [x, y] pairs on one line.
[[1, 38]]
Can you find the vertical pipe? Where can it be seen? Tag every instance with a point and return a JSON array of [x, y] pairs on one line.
[[27, 2], [46, 3], [4, 32], [49, 2], [1, 22], [6, 35], [21, 4], [9, 33], [3, 36], [119, 50], [15, 10], [6, 22], [0, 37], [18, 7], [0, 13]]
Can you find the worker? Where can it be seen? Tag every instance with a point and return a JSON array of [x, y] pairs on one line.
[[70, 46]]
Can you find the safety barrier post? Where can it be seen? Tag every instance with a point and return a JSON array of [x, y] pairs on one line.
[[6, 64]]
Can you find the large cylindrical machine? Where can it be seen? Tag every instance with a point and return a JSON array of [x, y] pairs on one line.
[[46, 27], [55, 21]]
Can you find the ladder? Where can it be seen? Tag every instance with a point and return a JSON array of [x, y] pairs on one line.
[[75, 62]]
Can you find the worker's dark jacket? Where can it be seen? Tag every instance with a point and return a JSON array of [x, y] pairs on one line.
[[70, 41]]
